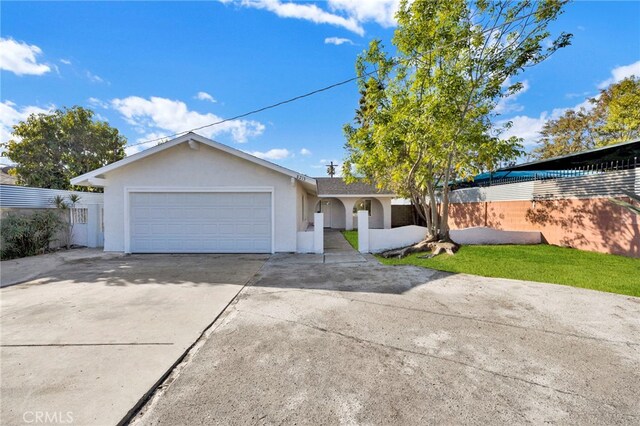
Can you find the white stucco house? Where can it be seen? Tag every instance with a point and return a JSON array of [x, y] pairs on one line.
[[195, 195]]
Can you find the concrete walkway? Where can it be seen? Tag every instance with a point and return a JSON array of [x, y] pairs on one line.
[[338, 250]]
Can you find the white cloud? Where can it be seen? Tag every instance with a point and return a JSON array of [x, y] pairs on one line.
[[94, 78], [204, 96], [272, 154], [20, 58], [379, 11], [509, 104], [97, 103], [10, 114], [157, 115], [305, 151], [308, 12], [65, 61], [337, 41], [620, 73], [528, 128], [347, 14], [572, 95]]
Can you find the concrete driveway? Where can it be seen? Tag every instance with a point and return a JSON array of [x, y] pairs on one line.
[[361, 343], [86, 341]]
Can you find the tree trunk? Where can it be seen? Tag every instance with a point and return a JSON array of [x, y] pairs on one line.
[[429, 244], [420, 247]]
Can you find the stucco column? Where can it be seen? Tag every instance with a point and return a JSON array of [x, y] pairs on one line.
[[386, 212], [348, 212], [318, 233], [363, 231]]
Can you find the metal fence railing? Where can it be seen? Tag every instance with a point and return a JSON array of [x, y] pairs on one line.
[[509, 177]]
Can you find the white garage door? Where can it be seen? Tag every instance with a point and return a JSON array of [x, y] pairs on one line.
[[200, 222]]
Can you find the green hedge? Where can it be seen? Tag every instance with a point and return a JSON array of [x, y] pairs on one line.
[[28, 235]]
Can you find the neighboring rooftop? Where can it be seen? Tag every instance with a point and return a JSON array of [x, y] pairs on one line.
[[5, 177], [625, 152], [337, 186]]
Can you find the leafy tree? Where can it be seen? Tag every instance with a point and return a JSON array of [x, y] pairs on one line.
[[617, 112], [572, 132], [425, 115], [614, 117], [50, 149]]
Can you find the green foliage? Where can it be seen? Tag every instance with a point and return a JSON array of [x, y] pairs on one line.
[[50, 149], [65, 207], [541, 263], [28, 235], [60, 202], [613, 118], [425, 115], [352, 238]]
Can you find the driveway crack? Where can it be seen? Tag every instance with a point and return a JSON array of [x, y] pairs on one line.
[[39, 345], [459, 316], [441, 358]]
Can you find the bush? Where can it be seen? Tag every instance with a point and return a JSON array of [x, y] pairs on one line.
[[28, 235]]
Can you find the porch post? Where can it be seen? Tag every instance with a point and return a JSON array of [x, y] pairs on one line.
[[348, 204], [318, 233], [386, 212], [363, 231]]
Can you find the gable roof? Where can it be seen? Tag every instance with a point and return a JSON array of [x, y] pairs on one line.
[[337, 186], [97, 173]]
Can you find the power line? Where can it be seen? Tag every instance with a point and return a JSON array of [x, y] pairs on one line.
[[255, 111], [324, 89]]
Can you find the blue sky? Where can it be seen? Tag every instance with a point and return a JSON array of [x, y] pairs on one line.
[[156, 68]]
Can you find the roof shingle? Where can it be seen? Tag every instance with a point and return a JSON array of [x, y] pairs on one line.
[[337, 186]]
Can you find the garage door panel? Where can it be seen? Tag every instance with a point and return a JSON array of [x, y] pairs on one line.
[[200, 222]]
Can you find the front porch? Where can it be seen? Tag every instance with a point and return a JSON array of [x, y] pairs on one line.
[[342, 212]]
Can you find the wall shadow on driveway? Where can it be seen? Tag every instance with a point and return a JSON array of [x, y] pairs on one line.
[[237, 269], [166, 269], [368, 277]]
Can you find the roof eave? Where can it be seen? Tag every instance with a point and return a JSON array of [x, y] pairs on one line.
[[362, 195], [97, 173]]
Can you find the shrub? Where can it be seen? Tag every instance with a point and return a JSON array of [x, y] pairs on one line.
[[28, 235]]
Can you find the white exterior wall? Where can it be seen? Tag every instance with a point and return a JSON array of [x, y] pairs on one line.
[[483, 235], [206, 167], [304, 213], [387, 239], [312, 204]]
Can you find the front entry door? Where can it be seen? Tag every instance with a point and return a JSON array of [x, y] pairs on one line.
[[325, 208]]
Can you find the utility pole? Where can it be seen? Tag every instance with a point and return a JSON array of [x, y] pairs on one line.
[[331, 169]]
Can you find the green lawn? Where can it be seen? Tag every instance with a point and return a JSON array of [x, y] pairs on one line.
[[352, 237], [542, 263]]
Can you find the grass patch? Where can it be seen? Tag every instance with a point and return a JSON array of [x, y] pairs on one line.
[[352, 238], [541, 263]]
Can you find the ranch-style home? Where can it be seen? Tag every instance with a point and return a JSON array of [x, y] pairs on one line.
[[195, 195]]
